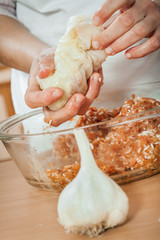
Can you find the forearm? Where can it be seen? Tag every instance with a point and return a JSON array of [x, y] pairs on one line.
[[18, 47]]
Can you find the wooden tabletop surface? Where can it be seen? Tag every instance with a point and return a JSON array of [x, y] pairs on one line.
[[28, 213]]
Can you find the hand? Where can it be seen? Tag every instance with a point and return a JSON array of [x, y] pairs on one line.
[[43, 66], [136, 19], [78, 104]]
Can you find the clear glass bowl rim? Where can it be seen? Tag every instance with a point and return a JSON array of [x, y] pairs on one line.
[[15, 119]]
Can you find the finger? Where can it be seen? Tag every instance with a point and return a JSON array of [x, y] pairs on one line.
[[43, 98], [107, 10], [111, 20], [55, 118], [120, 26], [32, 81], [45, 72], [95, 83], [151, 45], [46, 65], [135, 34]]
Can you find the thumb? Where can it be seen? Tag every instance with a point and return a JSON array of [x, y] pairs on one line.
[[46, 66], [45, 72]]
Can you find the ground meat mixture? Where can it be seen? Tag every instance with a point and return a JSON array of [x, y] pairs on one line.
[[116, 149]]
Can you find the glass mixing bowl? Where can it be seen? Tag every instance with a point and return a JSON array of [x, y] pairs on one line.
[[48, 157]]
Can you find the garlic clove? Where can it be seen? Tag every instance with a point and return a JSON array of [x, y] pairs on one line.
[[92, 202]]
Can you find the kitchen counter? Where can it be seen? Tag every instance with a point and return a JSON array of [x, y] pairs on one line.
[[28, 213]]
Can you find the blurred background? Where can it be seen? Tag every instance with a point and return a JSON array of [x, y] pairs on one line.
[[6, 106]]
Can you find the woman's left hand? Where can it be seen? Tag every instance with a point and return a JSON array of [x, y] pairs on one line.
[[78, 104], [136, 20]]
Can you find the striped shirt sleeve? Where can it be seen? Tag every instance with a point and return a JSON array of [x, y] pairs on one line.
[[8, 8]]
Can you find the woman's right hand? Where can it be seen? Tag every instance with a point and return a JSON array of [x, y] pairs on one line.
[[126, 23]]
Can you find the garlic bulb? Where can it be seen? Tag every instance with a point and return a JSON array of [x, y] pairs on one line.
[[92, 202], [75, 60]]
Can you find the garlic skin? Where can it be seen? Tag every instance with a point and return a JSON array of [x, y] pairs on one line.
[[92, 202], [75, 60]]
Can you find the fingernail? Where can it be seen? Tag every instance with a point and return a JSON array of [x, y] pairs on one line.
[[95, 44], [96, 78], [128, 55], [44, 72], [79, 99], [99, 80], [56, 93], [109, 50], [96, 21]]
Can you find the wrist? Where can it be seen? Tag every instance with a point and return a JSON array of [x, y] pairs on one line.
[[34, 51], [40, 49]]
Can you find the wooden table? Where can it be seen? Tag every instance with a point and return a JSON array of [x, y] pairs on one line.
[[28, 213]]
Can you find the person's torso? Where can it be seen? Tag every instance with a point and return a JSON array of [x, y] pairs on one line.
[[47, 20]]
